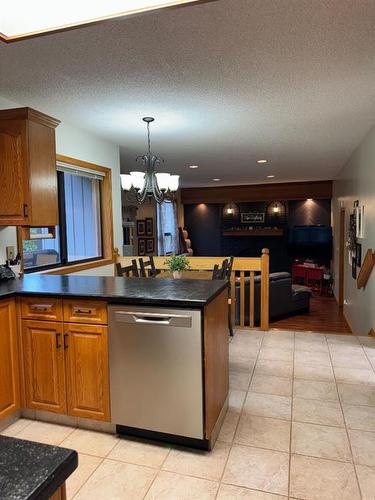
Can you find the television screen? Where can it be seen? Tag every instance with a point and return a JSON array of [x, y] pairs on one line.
[[310, 235]]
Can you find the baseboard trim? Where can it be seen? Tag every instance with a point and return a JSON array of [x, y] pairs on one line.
[[347, 322]]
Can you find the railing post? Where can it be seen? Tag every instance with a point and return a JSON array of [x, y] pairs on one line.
[[264, 289], [116, 255]]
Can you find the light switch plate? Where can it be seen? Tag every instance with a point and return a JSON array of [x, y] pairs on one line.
[[10, 253]]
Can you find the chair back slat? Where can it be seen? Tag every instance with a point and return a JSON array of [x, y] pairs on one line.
[[147, 269], [127, 271]]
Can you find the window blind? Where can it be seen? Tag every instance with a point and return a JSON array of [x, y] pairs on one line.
[[82, 171]]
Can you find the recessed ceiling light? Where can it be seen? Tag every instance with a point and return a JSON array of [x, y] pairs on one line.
[[25, 18], [216, 179], [262, 161], [270, 176], [193, 166]]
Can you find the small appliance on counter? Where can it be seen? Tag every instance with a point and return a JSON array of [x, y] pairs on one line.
[[11, 269], [6, 273]]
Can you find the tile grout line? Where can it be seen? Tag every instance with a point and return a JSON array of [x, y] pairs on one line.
[[368, 357], [160, 469], [291, 417], [66, 437], [239, 418], [16, 434], [346, 430], [92, 473], [286, 453]]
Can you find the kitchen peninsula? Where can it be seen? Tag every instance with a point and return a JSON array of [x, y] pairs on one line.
[[93, 347]]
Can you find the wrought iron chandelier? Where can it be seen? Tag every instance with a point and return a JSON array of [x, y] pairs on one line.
[[149, 183]]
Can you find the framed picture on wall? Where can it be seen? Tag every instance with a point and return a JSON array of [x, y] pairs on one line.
[[150, 247], [149, 226], [141, 227], [141, 246], [360, 221], [354, 268], [358, 254], [253, 218]]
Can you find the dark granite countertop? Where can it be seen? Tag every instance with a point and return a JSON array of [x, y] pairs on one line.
[[33, 471], [145, 291]]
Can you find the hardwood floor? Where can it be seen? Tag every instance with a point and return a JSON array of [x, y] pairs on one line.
[[324, 316]]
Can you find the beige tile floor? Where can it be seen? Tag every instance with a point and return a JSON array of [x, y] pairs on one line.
[[301, 425]]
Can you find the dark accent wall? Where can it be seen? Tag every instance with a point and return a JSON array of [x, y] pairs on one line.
[[309, 213], [205, 224]]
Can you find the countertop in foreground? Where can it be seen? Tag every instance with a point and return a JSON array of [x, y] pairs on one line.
[[30, 471], [145, 291]]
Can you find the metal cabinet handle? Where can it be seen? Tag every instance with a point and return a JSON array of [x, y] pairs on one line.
[[41, 307], [66, 345], [25, 210], [82, 310], [58, 344], [154, 318]]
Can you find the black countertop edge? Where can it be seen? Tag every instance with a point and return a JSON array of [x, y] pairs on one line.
[[31, 470], [141, 291], [57, 479]]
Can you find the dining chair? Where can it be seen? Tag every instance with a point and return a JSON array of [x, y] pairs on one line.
[[224, 273], [148, 269], [127, 271]]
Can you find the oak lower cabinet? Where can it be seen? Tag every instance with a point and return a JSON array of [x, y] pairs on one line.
[[66, 368], [44, 365], [87, 372], [9, 374]]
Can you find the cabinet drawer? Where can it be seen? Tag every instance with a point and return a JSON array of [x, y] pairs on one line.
[[44, 308], [85, 311]]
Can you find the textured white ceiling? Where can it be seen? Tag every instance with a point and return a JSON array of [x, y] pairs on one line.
[[229, 82]]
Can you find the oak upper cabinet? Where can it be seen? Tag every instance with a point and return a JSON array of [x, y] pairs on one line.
[[87, 372], [43, 353], [9, 374], [28, 181]]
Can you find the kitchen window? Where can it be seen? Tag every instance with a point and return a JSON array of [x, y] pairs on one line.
[[79, 236], [167, 228]]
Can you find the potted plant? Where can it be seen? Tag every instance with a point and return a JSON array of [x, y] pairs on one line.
[[176, 264]]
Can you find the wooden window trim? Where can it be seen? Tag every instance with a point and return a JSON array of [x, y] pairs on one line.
[[106, 220], [74, 268]]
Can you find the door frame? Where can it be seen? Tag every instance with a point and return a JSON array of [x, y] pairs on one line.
[[341, 277]]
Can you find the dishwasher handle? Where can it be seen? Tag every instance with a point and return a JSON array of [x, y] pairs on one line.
[[151, 318]]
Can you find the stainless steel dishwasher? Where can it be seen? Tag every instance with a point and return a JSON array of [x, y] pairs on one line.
[[155, 359]]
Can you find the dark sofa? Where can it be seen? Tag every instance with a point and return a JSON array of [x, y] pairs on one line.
[[285, 298]]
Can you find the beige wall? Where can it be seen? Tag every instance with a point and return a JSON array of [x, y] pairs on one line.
[[356, 181]]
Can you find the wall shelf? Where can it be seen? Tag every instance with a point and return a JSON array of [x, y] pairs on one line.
[[254, 232]]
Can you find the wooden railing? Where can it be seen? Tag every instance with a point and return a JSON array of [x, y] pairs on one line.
[[243, 270]]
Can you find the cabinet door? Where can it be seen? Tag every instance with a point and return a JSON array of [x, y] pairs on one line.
[[86, 358], [9, 379], [44, 365], [13, 203], [43, 175]]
